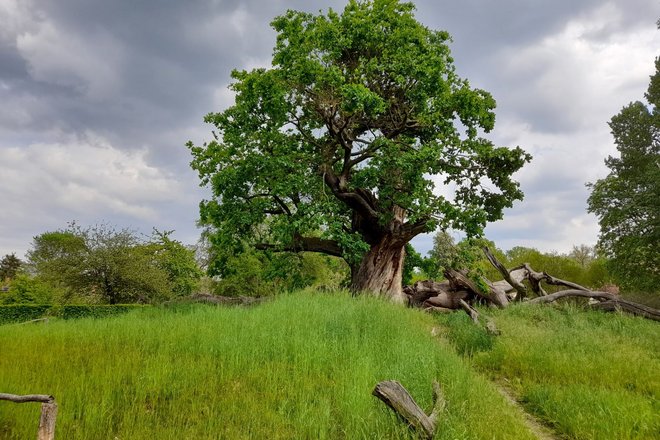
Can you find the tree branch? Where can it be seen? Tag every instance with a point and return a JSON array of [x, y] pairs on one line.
[[520, 288], [395, 396], [608, 301], [305, 244], [43, 398]]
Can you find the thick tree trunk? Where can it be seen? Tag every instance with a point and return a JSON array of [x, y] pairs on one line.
[[381, 270]]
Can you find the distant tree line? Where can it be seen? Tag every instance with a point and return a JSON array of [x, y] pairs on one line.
[[100, 264]]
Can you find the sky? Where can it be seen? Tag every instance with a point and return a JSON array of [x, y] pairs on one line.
[[98, 98]]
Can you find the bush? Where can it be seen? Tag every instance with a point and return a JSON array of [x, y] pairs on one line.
[[27, 312], [22, 312]]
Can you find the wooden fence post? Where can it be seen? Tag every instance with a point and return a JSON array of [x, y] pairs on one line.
[[48, 412]]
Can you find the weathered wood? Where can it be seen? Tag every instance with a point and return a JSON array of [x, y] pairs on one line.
[[506, 274], [448, 300], [43, 398], [48, 412], [426, 289], [459, 292], [518, 274], [227, 300], [395, 396], [47, 421], [381, 270], [471, 311], [609, 302], [459, 280]]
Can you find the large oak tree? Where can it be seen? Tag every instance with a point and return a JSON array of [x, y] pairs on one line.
[[338, 147]]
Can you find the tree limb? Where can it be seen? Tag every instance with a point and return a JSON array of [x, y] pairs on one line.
[[520, 288], [491, 294], [395, 396], [608, 302], [43, 398], [305, 244]]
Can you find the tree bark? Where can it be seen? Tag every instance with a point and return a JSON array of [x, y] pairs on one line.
[[512, 281], [608, 302], [381, 270], [395, 396], [48, 412], [492, 294], [47, 421]]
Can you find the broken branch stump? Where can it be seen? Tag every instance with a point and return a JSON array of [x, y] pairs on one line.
[[48, 412], [395, 396]]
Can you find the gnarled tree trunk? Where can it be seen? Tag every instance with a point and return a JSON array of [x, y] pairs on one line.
[[381, 270]]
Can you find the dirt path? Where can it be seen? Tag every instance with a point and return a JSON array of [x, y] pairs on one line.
[[541, 431]]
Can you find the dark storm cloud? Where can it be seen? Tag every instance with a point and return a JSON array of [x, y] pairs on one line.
[[113, 89]]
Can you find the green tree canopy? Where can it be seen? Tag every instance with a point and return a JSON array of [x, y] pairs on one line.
[[9, 266], [113, 265], [337, 147], [627, 201]]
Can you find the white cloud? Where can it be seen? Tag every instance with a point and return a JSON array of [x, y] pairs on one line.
[[44, 185]]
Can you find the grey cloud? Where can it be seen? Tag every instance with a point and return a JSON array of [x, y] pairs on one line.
[[141, 74]]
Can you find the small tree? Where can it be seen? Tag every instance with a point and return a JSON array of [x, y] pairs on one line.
[[626, 202], [177, 261], [583, 254], [100, 262], [337, 147], [9, 266]]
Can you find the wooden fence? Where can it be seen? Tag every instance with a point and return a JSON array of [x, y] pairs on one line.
[[48, 412]]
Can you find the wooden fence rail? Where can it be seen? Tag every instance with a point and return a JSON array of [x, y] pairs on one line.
[[48, 412]]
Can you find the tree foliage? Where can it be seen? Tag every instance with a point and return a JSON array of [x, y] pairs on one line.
[[9, 266], [626, 202], [337, 148], [114, 266]]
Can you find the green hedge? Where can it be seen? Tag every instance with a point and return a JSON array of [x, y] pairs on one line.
[[11, 313]]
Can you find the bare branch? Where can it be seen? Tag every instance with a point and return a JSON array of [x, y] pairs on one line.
[[43, 398], [520, 288], [608, 301]]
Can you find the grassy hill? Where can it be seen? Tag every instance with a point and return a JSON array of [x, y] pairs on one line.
[[303, 367]]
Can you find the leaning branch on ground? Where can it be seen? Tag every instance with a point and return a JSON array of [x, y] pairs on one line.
[[227, 300], [606, 301], [395, 396], [463, 290]]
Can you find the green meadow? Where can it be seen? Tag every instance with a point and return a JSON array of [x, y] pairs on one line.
[[303, 366], [585, 374]]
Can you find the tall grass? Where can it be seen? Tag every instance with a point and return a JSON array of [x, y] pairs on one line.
[[591, 375], [300, 367]]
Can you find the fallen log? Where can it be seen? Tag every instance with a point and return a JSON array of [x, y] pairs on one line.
[[489, 292], [395, 396], [608, 302], [227, 300], [461, 291]]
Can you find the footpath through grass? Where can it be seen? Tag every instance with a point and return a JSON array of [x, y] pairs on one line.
[[300, 367], [589, 375]]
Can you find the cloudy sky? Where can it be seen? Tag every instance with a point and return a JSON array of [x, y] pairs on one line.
[[97, 99]]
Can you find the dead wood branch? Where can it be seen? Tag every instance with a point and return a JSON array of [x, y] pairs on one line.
[[423, 290], [506, 274], [227, 300], [492, 294], [460, 292], [608, 302], [43, 398], [395, 396], [48, 412], [471, 311]]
